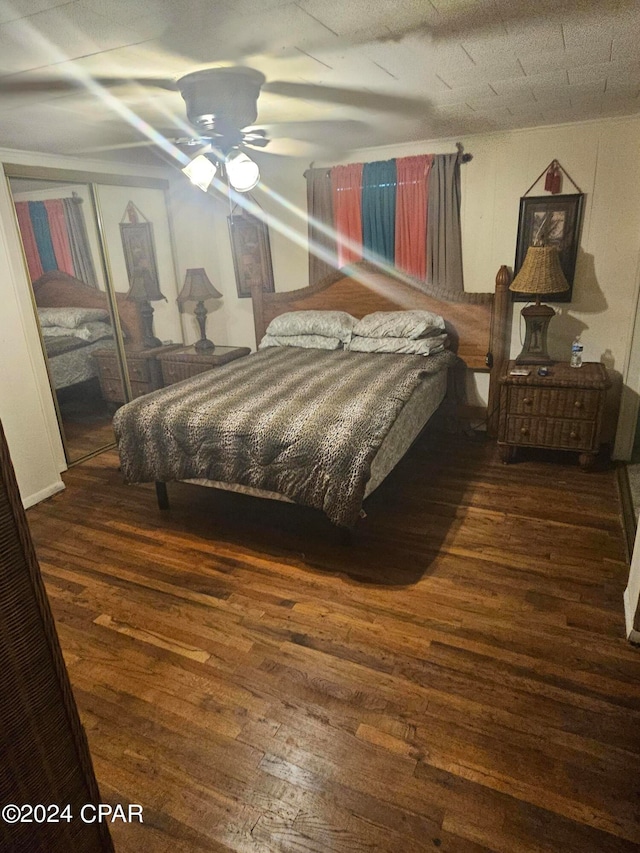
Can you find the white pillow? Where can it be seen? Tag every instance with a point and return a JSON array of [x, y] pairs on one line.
[[412, 324], [305, 341], [330, 324], [71, 317], [423, 346]]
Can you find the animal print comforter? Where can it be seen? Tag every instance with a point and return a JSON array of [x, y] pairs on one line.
[[304, 423]]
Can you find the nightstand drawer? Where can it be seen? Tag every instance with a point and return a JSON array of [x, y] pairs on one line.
[[108, 365], [138, 369], [554, 402], [176, 371], [111, 389], [561, 433], [139, 389]]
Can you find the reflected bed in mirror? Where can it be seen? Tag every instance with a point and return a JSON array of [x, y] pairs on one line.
[[75, 322]]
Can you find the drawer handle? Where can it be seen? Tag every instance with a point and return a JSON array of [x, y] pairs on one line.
[[579, 404], [524, 430], [574, 434], [527, 401]]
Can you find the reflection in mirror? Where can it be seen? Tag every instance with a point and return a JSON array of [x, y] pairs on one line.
[[138, 245], [63, 258]]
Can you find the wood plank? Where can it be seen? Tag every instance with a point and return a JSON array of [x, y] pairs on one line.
[[457, 680]]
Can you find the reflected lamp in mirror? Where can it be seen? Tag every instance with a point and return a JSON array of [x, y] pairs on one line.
[[540, 274], [197, 288], [144, 290]]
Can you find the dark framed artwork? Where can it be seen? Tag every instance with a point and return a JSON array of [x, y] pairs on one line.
[[139, 250], [555, 220], [251, 252]]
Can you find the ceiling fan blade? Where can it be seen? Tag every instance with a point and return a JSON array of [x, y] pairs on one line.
[[287, 147], [349, 97], [314, 130], [180, 141], [19, 85]]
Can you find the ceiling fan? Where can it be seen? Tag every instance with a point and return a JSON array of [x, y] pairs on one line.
[[221, 103], [222, 107]]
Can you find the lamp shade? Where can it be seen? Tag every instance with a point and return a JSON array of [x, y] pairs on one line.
[[144, 286], [540, 273], [197, 287]]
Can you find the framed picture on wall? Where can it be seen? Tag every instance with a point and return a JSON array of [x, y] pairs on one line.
[[251, 253], [556, 220], [139, 250]]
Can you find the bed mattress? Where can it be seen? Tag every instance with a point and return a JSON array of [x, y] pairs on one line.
[[306, 424]]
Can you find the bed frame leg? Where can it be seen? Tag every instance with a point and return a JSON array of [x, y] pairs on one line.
[[162, 495]]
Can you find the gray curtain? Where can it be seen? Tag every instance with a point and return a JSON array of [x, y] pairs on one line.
[[444, 238], [79, 241], [320, 219]]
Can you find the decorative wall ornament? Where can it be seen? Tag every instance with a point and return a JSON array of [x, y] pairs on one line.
[[138, 246], [551, 220], [142, 268], [251, 252]]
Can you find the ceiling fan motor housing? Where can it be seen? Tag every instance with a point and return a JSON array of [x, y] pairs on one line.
[[222, 101]]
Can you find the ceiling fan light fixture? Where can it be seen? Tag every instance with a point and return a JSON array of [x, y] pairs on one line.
[[201, 171], [242, 172]]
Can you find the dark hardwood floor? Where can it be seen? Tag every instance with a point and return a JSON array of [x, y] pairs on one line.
[[457, 680]]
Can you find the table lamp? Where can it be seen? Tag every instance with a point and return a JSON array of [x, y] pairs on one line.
[[197, 288], [144, 290], [539, 274]]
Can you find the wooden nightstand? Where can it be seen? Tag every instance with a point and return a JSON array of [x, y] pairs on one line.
[[185, 362], [561, 411], [145, 374]]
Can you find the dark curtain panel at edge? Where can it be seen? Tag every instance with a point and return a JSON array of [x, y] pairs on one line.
[[323, 258], [444, 236]]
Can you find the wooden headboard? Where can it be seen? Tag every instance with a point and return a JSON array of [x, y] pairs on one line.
[[477, 323], [57, 289]]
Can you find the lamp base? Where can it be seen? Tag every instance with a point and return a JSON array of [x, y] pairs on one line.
[[204, 345], [149, 340], [534, 350]]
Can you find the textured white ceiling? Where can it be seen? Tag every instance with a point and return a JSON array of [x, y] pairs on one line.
[[478, 65]]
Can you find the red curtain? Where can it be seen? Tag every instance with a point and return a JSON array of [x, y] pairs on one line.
[[28, 240], [411, 214], [346, 188], [59, 235]]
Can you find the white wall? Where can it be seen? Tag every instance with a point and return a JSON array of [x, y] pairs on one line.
[[24, 386], [202, 240], [112, 201], [603, 157]]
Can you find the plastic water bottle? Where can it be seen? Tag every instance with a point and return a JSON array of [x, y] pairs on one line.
[[576, 353]]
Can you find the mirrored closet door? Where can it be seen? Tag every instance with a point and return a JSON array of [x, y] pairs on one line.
[[100, 262]]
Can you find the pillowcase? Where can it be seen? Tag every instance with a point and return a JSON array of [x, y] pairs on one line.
[[329, 324], [306, 341], [89, 332], [70, 318], [399, 324], [423, 346]]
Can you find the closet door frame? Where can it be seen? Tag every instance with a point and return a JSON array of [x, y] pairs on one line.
[[92, 180]]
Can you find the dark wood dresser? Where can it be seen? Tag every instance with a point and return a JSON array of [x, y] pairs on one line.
[[561, 411], [184, 362]]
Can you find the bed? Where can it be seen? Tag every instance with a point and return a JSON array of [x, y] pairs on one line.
[[75, 321], [317, 427]]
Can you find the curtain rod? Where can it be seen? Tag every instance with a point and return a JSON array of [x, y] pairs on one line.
[[463, 157]]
